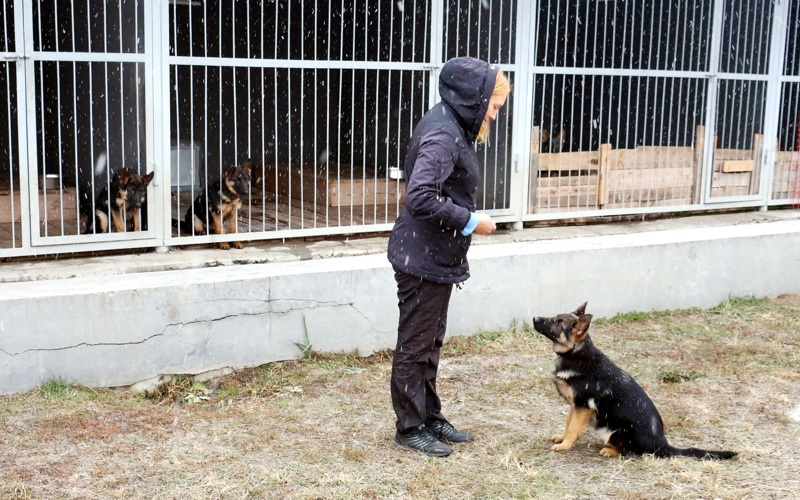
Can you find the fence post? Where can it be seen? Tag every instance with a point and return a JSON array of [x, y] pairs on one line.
[[699, 144], [602, 173], [758, 154], [533, 193]]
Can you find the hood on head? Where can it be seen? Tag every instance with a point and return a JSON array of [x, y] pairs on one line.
[[466, 84]]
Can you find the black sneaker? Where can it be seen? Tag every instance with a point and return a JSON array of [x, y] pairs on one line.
[[442, 429], [421, 440]]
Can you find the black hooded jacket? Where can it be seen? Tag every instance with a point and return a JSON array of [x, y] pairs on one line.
[[442, 176]]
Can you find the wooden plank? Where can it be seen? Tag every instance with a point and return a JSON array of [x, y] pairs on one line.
[[697, 160], [605, 150], [580, 160], [533, 178], [619, 180], [564, 191], [50, 206], [566, 204], [655, 203], [650, 197], [331, 184], [758, 150], [738, 166], [651, 157], [732, 179]]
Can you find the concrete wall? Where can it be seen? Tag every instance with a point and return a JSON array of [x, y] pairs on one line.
[[121, 329]]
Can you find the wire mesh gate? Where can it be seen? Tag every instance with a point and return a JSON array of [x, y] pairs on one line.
[[639, 106], [618, 107], [318, 97]]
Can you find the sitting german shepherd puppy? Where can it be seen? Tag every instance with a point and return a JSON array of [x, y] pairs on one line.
[[602, 395], [128, 193], [219, 203]]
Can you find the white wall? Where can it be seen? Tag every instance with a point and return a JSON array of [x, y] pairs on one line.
[[120, 329]]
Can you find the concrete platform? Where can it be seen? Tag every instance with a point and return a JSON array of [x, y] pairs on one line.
[[123, 320]]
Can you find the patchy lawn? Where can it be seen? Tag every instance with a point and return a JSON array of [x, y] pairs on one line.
[[726, 378]]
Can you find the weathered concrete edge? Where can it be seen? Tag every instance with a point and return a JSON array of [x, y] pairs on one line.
[[122, 329]]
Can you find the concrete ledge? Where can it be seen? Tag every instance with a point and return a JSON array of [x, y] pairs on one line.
[[116, 325]]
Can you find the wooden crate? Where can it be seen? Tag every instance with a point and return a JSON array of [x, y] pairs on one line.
[[331, 184], [786, 178]]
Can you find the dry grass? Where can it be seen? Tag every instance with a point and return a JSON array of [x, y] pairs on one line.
[[725, 378]]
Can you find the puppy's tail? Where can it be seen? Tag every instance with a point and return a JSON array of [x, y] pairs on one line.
[[670, 451]]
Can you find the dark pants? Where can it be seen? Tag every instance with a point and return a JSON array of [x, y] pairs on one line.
[[423, 318]]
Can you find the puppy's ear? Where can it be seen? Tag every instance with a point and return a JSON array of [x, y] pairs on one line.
[[124, 177], [581, 310], [229, 170], [581, 326], [147, 178]]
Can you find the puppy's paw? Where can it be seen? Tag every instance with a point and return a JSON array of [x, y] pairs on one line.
[[557, 438], [224, 245], [610, 451], [561, 447], [238, 244]]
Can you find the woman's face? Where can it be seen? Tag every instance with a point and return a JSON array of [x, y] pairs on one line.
[[495, 103]]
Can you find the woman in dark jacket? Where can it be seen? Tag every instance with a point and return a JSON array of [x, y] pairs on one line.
[[429, 242]]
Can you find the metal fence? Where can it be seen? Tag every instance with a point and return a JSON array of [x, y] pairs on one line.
[[298, 113]]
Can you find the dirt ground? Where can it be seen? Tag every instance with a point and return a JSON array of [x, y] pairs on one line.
[[725, 378]]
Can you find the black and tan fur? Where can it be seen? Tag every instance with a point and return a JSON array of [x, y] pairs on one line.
[[128, 195], [602, 395], [220, 203]]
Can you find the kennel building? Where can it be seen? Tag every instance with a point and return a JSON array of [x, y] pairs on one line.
[[619, 107]]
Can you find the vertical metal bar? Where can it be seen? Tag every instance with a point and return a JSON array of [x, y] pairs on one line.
[[74, 123], [59, 125], [302, 100], [400, 87], [235, 86], [664, 146], [221, 159], [10, 123], [364, 127], [122, 103], [339, 128], [142, 161], [263, 125], [582, 116], [177, 125], [275, 115], [484, 177], [439, 29], [328, 123], [107, 122], [775, 65], [42, 223], [389, 86], [316, 87], [378, 74], [353, 114], [206, 119], [26, 115], [301, 160], [458, 30], [712, 95]]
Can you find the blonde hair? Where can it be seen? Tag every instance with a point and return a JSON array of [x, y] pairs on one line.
[[501, 87]]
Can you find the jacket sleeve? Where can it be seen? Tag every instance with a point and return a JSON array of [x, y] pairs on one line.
[[425, 197]]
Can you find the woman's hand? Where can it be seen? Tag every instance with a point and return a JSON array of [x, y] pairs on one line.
[[485, 225]]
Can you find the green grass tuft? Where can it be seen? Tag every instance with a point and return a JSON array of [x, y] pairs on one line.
[[670, 376]]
